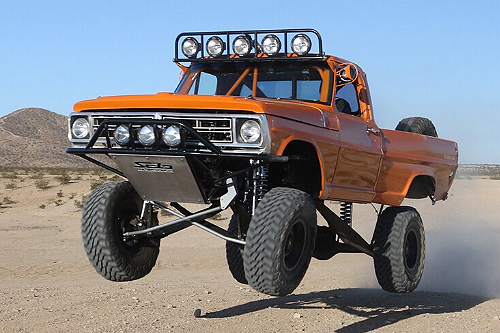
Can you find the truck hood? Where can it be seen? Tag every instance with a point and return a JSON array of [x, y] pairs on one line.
[[299, 111]]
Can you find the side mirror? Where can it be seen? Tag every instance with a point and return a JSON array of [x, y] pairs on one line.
[[347, 74]]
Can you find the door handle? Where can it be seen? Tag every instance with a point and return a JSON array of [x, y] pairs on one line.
[[373, 130]]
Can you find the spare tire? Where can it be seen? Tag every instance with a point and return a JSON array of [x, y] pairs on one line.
[[417, 125]]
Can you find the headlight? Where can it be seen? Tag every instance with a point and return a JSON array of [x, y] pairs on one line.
[[301, 44], [242, 46], [250, 131], [215, 46], [80, 128], [271, 45], [146, 135], [190, 47], [172, 136], [122, 135]]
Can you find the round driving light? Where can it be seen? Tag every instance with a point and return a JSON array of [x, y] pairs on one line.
[[250, 131], [271, 45], [215, 46], [190, 47], [80, 128], [146, 135], [172, 136], [122, 135], [242, 45], [301, 44]]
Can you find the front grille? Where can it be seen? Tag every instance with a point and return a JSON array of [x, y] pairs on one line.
[[97, 121], [217, 130]]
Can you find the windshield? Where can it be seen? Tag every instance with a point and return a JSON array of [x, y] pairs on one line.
[[295, 80]]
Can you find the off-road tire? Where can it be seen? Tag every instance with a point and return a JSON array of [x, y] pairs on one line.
[[417, 125], [106, 209], [399, 249], [280, 241], [234, 254]]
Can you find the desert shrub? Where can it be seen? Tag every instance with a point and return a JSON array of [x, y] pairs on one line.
[[58, 202], [64, 178], [218, 217], [79, 203], [96, 183], [11, 186], [10, 175], [98, 172], [60, 194], [72, 195], [42, 206], [37, 175], [8, 201], [42, 184]]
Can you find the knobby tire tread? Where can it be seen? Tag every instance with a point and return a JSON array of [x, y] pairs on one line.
[[389, 246], [102, 246], [262, 251]]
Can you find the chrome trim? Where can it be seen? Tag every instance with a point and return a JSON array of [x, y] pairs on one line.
[[263, 146]]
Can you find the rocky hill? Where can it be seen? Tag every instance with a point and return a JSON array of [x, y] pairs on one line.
[[35, 137]]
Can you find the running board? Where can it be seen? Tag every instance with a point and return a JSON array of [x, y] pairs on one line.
[[348, 235]]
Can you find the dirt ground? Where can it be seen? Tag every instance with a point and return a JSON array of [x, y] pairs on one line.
[[48, 285]]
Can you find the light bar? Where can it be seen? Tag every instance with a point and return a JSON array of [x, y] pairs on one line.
[[290, 44]]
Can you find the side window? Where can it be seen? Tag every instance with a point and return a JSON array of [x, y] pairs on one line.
[[346, 100], [205, 84]]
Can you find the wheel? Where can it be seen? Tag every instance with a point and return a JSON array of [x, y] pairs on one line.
[[417, 125], [280, 241], [399, 249], [110, 210], [234, 254]]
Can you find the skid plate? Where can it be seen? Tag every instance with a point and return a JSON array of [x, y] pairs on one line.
[[160, 178]]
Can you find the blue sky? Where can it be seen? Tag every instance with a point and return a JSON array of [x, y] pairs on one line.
[[437, 59]]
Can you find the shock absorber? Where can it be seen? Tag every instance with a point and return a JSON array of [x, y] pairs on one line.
[[260, 182], [346, 212]]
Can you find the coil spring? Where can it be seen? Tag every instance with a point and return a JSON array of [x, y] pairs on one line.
[[346, 212]]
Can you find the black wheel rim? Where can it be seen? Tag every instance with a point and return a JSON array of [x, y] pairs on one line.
[[128, 220], [411, 250], [294, 245]]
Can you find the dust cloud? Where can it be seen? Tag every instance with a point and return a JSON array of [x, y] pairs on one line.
[[463, 256]]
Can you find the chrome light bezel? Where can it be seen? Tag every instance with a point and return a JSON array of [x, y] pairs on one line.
[[172, 136], [276, 48], [144, 135], [122, 131], [242, 39], [215, 41], [80, 123], [296, 48], [196, 46], [251, 125]]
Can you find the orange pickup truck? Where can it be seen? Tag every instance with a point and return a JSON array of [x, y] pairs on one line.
[[265, 124]]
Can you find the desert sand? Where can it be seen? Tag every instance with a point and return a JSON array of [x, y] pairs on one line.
[[48, 285]]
